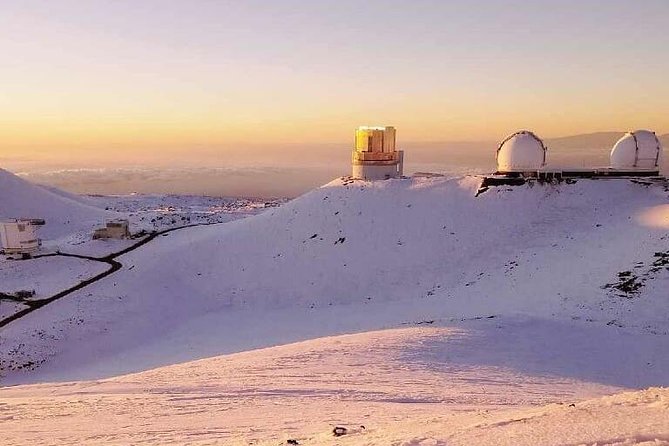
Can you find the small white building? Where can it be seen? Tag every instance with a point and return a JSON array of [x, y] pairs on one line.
[[115, 229], [639, 150], [520, 152], [375, 156], [19, 236]]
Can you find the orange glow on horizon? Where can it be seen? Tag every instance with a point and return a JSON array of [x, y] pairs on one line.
[[80, 82]]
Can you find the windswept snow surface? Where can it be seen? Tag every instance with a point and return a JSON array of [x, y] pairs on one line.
[[462, 385], [522, 296]]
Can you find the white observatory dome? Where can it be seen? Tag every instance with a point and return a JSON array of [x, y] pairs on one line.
[[522, 151], [640, 149]]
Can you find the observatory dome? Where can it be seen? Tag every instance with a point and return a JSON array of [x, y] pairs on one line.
[[520, 152], [640, 149]]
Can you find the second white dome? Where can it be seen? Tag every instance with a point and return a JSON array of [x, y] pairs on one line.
[[640, 149]]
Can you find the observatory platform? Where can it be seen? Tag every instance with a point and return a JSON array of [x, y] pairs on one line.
[[524, 155]]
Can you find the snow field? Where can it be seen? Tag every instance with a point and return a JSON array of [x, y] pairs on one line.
[[473, 383], [470, 320]]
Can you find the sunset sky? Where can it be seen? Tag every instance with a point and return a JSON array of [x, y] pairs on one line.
[[150, 79]]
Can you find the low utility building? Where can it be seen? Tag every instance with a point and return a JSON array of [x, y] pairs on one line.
[[115, 229]]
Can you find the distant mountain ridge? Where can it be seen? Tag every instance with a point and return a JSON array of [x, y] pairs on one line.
[[598, 140], [595, 141]]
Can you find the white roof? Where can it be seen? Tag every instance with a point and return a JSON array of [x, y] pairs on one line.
[[521, 151], [640, 149]]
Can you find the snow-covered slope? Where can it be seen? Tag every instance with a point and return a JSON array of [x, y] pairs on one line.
[[354, 256], [479, 320], [477, 383], [398, 240], [63, 213], [47, 275]]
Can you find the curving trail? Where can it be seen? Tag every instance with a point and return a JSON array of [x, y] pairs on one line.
[[114, 266]]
